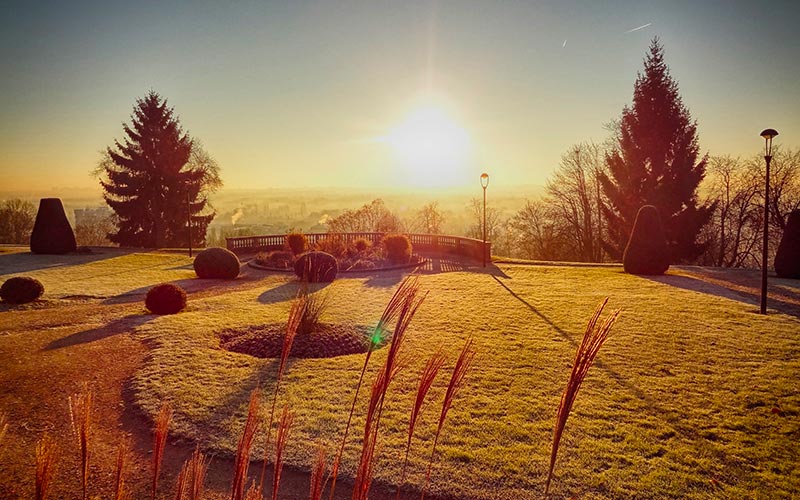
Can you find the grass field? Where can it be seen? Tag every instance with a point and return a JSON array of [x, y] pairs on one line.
[[694, 396]]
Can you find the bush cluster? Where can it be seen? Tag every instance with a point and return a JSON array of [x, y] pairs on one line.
[[217, 263], [316, 267], [165, 298], [278, 259], [398, 248], [21, 289], [332, 245], [297, 243]]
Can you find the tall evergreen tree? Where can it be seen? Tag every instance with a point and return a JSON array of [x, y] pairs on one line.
[[655, 162], [157, 180]]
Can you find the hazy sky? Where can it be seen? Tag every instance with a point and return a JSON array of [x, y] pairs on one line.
[[295, 93]]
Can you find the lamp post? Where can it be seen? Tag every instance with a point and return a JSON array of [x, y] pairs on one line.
[[189, 219], [767, 134], [484, 183]]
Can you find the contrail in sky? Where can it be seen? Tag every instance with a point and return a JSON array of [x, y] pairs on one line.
[[564, 44], [639, 28]]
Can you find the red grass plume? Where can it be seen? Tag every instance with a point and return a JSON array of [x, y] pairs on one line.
[[46, 452], [3, 426], [284, 429], [463, 364], [80, 413], [192, 477], [405, 293], [318, 474], [120, 492], [593, 339], [296, 314], [249, 432], [426, 379], [159, 442]]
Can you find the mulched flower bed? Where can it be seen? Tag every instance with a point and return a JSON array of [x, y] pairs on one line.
[[266, 341]]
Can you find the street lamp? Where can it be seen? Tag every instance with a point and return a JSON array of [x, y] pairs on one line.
[[189, 219], [484, 183], [767, 134]]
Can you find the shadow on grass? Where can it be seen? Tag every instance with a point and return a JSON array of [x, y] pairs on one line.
[[23, 262], [743, 286], [116, 327], [287, 291]]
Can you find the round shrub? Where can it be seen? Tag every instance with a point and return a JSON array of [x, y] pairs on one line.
[[787, 259], [398, 248], [362, 245], [165, 298], [316, 267], [52, 233], [21, 290], [297, 243], [647, 252], [217, 263]]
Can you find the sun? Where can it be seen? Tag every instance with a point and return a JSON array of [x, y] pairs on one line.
[[430, 147]]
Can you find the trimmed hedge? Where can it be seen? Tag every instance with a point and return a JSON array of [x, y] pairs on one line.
[[21, 289], [647, 251], [316, 267], [217, 263], [52, 233], [787, 259], [165, 298]]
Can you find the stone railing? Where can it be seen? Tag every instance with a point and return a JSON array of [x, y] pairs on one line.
[[432, 243]]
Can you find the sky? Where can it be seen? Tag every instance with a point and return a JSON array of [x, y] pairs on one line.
[[381, 94]]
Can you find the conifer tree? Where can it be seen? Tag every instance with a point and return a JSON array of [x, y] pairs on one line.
[[157, 179], [655, 162]]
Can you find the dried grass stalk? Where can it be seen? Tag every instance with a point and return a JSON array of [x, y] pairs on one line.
[[406, 292], [314, 306], [3, 426], [46, 452], [593, 339], [120, 492], [318, 474], [80, 413], [253, 492], [192, 477], [463, 364], [159, 442], [295, 315], [242, 462], [284, 429], [426, 379]]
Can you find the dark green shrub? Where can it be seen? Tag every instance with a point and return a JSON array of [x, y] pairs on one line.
[[52, 233], [398, 248], [362, 245], [647, 252], [20, 290], [217, 263], [333, 245], [316, 267], [165, 298], [278, 259], [787, 259], [297, 243]]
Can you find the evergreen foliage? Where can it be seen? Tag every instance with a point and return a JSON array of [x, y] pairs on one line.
[[398, 248], [21, 290], [297, 243], [217, 263], [655, 162], [157, 179], [647, 252], [787, 259], [52, 233], [165, 298]]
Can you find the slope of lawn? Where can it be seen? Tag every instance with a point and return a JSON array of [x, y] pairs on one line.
[[694, 395]]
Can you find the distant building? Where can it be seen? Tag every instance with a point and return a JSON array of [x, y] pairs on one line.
[[91, 214]]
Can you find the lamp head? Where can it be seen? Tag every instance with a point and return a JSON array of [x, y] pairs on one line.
[[484, 180], [768, 134]]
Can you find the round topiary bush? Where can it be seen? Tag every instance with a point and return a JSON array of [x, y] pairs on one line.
[[165, 298], [297, 243], [217, 263], [398, 248], [647, 251], [52, 233], [362, 245], [316, 267], [20, 290], [787, 259]]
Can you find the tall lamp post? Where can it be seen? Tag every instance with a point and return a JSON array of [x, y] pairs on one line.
[[767, 134], [484, 183], [189, 219]]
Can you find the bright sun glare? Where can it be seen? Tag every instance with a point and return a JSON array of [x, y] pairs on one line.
[[431, 147]]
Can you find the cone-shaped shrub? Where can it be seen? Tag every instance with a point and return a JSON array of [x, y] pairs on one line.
[[20, 290], [316, 267], [787, 260], [52, 233], [297, 243], [398, 248], [165, 298], [217, 263], [647, 251]]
